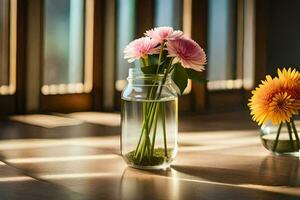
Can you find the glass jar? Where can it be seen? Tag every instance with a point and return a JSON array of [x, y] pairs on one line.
[[149, 120], [281, 139]]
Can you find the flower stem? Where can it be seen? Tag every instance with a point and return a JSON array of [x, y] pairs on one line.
[[277, 137], [144, 131], [146, 118], [147, 61], [143, 62], [296, 133], [163, 115], [290, 135], [145, 148], [154, 134], [160, 55]]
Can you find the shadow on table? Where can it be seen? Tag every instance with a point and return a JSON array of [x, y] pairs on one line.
[[16, 130], [272, 171], [11, 129], [190, 182]]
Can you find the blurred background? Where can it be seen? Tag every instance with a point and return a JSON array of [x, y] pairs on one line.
[[62, 56]]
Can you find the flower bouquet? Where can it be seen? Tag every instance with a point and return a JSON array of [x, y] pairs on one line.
[[274, 105], [166, 58]]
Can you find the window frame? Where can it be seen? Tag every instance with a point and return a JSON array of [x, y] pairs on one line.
[[10, 88], [235, 93], [90, 97], [86, 85], [199, 100], [14, 103]]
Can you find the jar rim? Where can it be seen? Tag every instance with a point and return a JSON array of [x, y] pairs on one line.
[[137, 73], [137, 77]]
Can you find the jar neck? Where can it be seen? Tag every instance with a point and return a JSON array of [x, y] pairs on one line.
[[137, 77]]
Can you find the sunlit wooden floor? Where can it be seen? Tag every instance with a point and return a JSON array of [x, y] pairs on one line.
[[82, 161]]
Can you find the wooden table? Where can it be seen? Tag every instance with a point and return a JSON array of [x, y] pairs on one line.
[[214, 164]]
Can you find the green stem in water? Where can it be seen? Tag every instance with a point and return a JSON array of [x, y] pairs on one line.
[[145, 121], [163, 115], [148, 146], [147, 131], [148, 121], [143, 149], [290, 135], [144, 129], [148, 142], [146, 115], [277, 137], [154, 132], [145, 109], [296, 133]]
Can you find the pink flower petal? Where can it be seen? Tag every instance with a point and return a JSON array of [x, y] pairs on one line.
[[187, 52], [161, 34], [140, 48]]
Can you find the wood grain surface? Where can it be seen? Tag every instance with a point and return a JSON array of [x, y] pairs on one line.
[[82, 162]]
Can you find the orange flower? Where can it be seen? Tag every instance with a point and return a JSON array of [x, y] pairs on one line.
[[282, 108], [271, 102], [291, 82]]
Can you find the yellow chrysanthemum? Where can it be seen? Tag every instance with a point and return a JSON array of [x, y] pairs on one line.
[[291, 82], [270, 101], [282, 108]]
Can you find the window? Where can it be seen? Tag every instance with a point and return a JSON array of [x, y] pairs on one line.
[[67, 46], [62, 52], [4, 42], [223, 71], [8, 29], [125, 34], [168, 13], [62, 56], [230, 44], [221, 42]]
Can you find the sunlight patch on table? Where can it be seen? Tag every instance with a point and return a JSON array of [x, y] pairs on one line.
[[100, 118], [61, 159], [15, 179], [46, 121], [77, 175]]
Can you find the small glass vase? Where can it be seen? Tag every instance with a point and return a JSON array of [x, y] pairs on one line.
[[149, 121], [281, 139]]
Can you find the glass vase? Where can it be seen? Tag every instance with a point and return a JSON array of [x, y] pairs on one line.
[[149, 121], [281, 139]]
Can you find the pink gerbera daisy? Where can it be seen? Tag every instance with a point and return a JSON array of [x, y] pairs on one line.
[[187, 52], [161, 34], [140, 48]]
